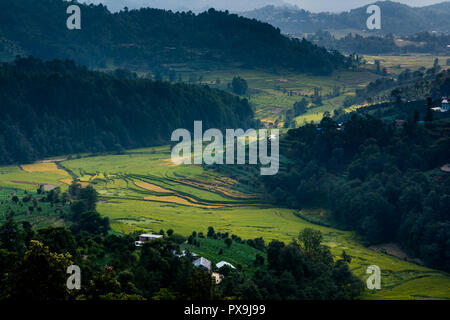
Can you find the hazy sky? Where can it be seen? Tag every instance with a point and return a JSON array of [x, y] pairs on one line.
[[240, 5]]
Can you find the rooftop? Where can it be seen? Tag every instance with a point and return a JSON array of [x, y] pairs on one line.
[[149, 235], [224, 263], [202, 262]]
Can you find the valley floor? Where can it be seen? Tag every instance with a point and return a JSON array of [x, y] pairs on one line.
[[143, 190]]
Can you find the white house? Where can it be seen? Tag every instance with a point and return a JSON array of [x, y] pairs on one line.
[[203, 264], [183, 253], [445, 106], [224, 263], [145, 238]]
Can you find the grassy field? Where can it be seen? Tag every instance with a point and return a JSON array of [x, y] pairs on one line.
[[142, 190], [32, 176]]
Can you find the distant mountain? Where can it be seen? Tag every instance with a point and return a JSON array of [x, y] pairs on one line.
[[152, 38], [397, 18]]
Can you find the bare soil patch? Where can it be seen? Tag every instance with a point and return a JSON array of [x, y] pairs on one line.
[[393, 249], [47, 187]]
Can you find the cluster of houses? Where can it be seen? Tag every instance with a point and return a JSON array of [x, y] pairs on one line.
[[445, 106], [146, 237], [199, 262]]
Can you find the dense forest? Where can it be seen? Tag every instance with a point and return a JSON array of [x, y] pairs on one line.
[[397, 18], [378, 178], [33, 263], [56, 107], [150, 38]]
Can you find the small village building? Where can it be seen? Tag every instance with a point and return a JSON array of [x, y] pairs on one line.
[[203, 263], [183, 254], [145, 238], [445, 106], [148, 237], [224, 263], [217, 277]]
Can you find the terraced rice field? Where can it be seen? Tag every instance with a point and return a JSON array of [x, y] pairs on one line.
[[270, 94], [143, 190]]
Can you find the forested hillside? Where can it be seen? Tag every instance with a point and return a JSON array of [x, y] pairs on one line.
[[150, 38], [379, 179], [53, 108]]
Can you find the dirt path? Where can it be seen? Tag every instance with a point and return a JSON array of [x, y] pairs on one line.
[[47, 187], [51, 160], [393, 249]]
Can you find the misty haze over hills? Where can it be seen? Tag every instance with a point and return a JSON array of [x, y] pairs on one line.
[[397, 18], [239, 5], [345, 5]]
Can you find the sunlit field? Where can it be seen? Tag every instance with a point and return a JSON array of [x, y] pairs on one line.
[[143, 191], [271, 93]]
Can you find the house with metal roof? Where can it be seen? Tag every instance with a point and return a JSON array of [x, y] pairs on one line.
[[224, 263], [203, 263], [145, 238]]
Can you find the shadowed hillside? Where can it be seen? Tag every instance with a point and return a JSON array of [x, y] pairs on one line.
[[150, 38], [56, 107]]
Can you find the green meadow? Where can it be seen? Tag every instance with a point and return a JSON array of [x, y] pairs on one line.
[[143, 191]]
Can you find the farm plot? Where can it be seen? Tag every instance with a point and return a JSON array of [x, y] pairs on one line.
[[30, 177]]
